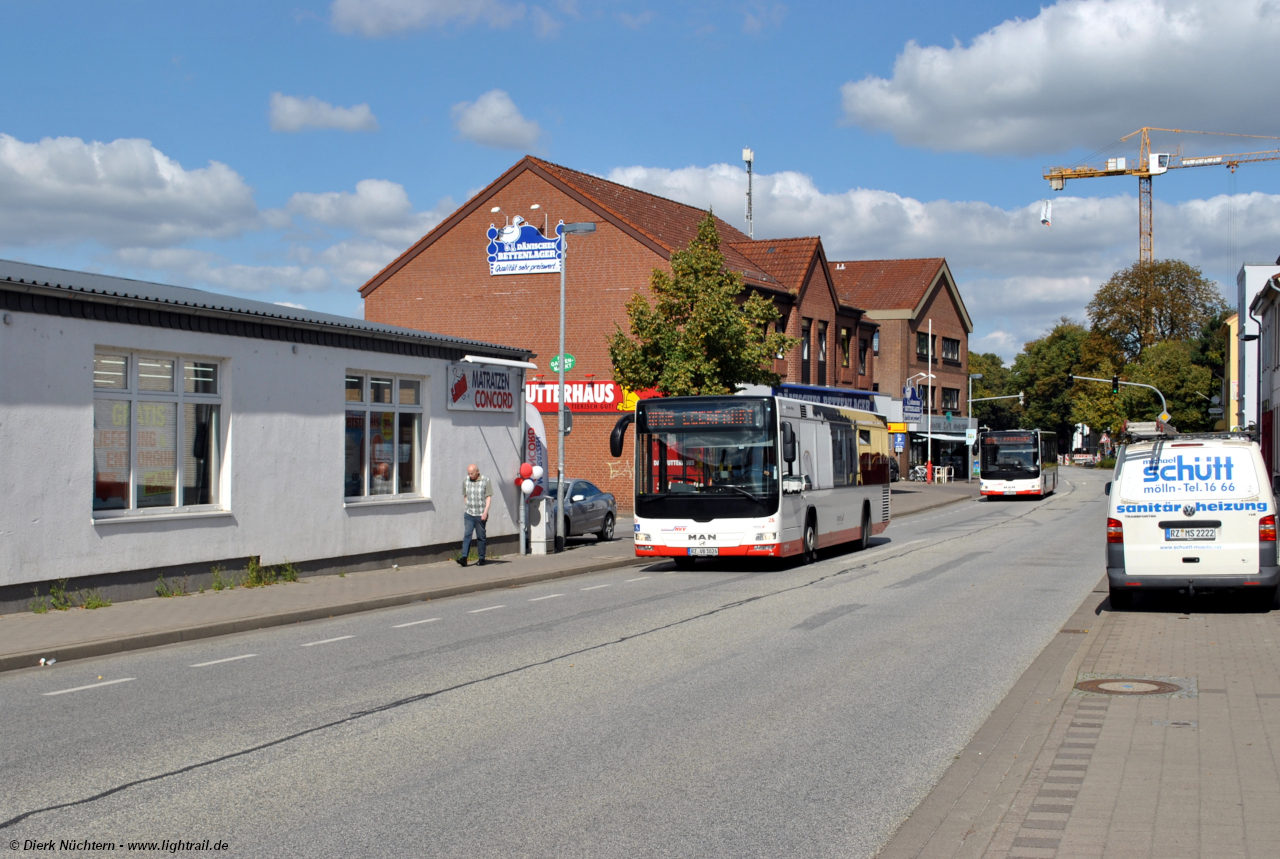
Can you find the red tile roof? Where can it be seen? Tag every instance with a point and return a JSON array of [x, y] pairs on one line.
[[665, 225], [885, 284], [788, 260]]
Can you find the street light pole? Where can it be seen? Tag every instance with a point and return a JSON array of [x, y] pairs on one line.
[[968, 404], [561, 530]]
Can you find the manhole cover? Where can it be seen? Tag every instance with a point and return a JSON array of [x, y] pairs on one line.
[[1124, 686]]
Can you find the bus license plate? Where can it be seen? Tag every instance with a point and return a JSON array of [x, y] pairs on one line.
[[1190, 533], [703, 551], [1011, 492]]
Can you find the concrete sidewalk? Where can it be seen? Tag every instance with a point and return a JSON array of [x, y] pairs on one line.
[[25, 638], [1187, 770]]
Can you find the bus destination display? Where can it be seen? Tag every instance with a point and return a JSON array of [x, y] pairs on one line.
[[681, 417], [1008, 439]]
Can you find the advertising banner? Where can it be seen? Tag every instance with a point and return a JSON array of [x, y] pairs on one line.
[[519, 248], [480, 388], [912, 406], [535, 448]]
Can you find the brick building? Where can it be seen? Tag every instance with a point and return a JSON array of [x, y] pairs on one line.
[[449, 283], [904, 296]]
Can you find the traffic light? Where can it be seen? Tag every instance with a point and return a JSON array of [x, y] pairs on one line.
[[1071, 380], [1021, 398], [1115, 384]]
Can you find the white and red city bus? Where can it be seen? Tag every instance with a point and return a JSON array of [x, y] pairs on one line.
[[755, 476], [1017, 462]]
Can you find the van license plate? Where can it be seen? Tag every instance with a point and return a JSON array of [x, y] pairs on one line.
[[1190, 533], [702, 551]]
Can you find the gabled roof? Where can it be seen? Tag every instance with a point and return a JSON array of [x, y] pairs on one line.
[[106, 289], [895, 288], [661, 224], [793, 262]]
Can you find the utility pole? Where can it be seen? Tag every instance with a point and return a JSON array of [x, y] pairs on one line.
[[749, 157]]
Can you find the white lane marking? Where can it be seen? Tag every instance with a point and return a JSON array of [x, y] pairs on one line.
[[641, 579], [595, 587], [220, 661], [490, 608], [328, 640], [414, 623], [92, 686], [547, 597]]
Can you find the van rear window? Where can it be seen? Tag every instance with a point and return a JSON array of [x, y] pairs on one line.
[[1209, 474]]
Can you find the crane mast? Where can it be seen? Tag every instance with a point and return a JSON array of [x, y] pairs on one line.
[[1153, 164]]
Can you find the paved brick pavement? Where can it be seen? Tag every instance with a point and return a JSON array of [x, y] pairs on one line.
[[1057, 772]]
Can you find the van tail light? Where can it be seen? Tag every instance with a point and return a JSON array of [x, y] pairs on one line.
[[1115, 531], [1267, 529]]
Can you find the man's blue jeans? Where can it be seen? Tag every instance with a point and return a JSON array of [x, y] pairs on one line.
[[472, 523]]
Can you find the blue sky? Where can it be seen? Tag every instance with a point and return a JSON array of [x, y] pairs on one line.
[[288, 151]]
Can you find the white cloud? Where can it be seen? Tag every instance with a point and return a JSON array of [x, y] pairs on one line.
[[205, 270], [1017, 276], [761, 15], [1081, 73], [290, 113], [384, 17], [378, 209], [494, 120], [292, 304], [125, 192]]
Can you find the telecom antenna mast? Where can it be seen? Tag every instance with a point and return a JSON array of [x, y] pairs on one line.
[[749, 156]]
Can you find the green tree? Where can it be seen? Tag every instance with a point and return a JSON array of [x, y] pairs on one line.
[[1170, 367], [995, 382], [697, 337], [1041, 371], [1150, 302]]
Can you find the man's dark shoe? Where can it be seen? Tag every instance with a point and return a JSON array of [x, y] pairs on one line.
[[481, 562], [462, 562]]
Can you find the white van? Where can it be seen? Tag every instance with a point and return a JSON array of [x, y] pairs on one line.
[[1191, 513]]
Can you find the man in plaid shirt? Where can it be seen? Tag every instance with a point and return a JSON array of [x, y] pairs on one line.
[[478, 492]]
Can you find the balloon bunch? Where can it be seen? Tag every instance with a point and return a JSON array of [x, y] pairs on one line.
[[528, 474]]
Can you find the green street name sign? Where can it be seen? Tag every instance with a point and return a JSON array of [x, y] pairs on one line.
[[569, 362]]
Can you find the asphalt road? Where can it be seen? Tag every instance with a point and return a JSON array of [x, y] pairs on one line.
[[726, 711]]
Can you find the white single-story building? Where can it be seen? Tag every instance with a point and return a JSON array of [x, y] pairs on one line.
[[151, 430]]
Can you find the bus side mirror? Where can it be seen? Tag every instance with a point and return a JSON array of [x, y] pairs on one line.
[[619, 434], [788, 442]]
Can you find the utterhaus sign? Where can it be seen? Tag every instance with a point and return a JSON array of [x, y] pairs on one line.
[[578, 396]]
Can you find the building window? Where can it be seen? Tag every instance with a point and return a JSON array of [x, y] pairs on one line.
[[922, 345], [950, 349], [805, 326], [862, 356], [822, 353], [875, 343], [157, 432], [383, 435], [951, 399], [782, 329], [844, 347]]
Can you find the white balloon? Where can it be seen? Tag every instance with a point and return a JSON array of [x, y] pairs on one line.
[[537, 472], [527, 487]]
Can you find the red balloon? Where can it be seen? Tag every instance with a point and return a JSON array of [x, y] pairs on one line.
[[526, 470], [519, 481]]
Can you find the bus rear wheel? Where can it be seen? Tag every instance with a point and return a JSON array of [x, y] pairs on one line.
[[810, 542], [865, 540]]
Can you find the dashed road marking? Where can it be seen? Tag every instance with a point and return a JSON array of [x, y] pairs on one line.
[[328, 640], [490, 608], [547, 597], [92, 686], [640, 579], [595, 587], [220, 661], [414, 623]]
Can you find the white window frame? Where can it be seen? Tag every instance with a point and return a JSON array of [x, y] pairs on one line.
[[420, 493], [180, 398]]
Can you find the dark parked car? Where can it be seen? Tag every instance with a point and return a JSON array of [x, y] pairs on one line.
[[587, 510], [895, 473]]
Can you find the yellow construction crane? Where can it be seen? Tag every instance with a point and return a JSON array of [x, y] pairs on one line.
[[1153, 164]]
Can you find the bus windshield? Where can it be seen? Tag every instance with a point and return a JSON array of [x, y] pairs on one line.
[[1010, 457], [704, 461]]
